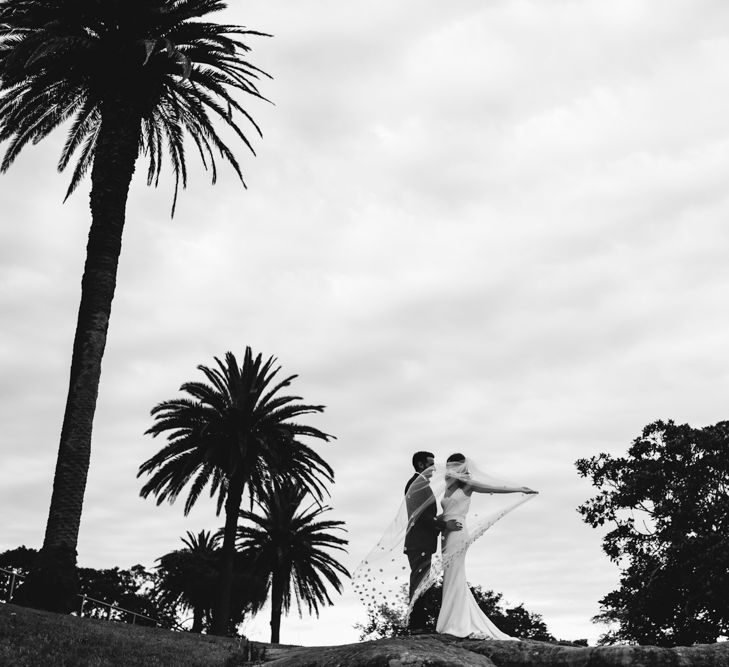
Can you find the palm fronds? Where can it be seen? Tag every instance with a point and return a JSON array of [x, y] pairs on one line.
[[65, 60]]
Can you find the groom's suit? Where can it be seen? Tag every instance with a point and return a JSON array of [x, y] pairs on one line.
[[421, 539]]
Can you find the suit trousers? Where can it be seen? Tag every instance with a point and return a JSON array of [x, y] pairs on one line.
[[419, 567]]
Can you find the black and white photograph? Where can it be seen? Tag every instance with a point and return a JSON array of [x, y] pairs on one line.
[[339, 332]]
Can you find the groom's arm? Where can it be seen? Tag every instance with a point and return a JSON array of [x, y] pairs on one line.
[[436, 524], [448, 525]]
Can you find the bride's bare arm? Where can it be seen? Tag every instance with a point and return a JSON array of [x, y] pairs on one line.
[[479, 487]]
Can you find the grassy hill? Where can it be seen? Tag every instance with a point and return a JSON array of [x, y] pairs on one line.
[[31, 638]]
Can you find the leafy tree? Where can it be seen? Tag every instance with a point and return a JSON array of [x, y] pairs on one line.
[[235, 432], [389, 621], [129, 590], [667, 501], [131, 76], [21, 559], [186, 579], [288, 545]]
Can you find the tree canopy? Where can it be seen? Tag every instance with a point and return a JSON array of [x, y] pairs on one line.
[[64, 60], [130, 590], [667, 502]]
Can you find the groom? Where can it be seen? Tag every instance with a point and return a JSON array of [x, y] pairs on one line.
[[424, 526]]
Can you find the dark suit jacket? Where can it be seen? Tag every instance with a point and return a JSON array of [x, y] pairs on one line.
[[422, 509]]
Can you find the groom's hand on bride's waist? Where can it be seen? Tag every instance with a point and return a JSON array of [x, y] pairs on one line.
[[453, 524]]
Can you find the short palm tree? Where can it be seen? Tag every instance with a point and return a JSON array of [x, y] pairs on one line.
[[187, 576], [130, 77], [233, 432], [287, 544]]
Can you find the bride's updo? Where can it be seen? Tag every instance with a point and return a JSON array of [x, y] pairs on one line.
[[456, 469]]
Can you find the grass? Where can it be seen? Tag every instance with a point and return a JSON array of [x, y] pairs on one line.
[[31, 638]]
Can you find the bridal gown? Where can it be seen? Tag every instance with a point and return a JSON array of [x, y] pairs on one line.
[[459, 614]]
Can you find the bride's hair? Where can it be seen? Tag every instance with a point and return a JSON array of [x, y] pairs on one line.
[[456, 469]]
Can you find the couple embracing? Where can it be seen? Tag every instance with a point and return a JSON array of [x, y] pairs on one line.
[[471, 502]]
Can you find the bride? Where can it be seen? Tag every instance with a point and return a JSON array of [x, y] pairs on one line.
[[459, 614]]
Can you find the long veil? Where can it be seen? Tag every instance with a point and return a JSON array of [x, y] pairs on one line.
[[381, 579]]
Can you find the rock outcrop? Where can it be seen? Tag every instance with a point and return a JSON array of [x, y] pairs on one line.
[[448, 651]]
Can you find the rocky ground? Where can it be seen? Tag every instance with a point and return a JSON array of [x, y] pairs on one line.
[[448, 651]]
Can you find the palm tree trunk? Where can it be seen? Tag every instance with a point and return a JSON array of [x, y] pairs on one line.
[[277, 595], [197, 619], [53, 584], [221, 613]]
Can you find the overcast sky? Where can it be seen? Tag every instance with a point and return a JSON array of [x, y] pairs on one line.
[[489, 226]]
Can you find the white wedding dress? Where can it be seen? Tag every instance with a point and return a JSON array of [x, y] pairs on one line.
[[459, 614]]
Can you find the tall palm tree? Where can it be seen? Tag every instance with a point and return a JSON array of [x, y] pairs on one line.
[[235, 431], [131, 76], [287, 544]]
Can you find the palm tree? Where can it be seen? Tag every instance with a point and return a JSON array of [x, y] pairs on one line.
[[131, 76], [186, 576], [235, 432], [287, 544]]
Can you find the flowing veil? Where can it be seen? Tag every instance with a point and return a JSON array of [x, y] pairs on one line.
[[382, 578]]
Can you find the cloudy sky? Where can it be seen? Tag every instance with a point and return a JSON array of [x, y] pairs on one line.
[[493, 226]]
